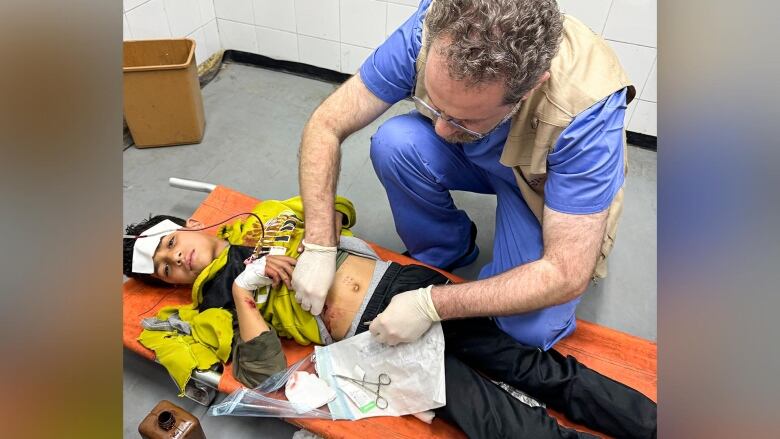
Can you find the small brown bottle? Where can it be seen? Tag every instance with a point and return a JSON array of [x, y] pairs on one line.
[[169, 421]]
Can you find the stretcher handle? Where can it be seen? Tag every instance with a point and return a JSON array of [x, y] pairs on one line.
[[191, 185], [209, 377]]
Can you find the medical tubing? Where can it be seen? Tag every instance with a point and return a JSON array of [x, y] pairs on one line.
[[155, 305], [186, 229]]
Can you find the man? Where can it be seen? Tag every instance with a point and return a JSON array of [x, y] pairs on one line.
[[513, 99]]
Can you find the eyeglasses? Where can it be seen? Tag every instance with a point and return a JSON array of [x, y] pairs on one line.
[[479, 136]]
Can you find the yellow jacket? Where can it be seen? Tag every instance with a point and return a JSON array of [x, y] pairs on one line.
[[212, 329], [284, 227]]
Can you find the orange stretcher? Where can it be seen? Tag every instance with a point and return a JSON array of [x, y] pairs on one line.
[[625, 358]]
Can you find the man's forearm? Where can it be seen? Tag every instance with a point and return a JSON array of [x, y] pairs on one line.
[[571, 248], [318, 176], [529, 287], [347, 110]]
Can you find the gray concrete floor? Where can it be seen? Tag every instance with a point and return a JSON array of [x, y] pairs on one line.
[[254, 118]]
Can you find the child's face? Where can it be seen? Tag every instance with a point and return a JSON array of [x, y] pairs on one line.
[[182, 255]]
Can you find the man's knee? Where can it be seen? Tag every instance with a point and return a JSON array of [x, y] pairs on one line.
[[543, 333], [395, 142]]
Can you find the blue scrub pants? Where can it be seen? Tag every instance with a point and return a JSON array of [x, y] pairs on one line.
[[419, 169]]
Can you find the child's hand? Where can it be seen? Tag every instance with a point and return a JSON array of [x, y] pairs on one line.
[[253, 276], [280, 269]]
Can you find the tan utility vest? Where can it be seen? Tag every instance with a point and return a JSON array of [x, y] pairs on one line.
[[584, 71]]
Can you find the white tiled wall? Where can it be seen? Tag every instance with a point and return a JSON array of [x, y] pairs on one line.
[[275, 14], [235, 10], [637, 61], [340, 34], [363, 22], [629, 26], [319, 52], [649, 93], [238, 36], [352, 57], [277, 44], [196, 19], [318, 18], [148, 20], [397, 15]]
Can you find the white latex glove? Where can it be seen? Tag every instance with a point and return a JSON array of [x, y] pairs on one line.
[[313, 276], [406, 318], [253, 276]]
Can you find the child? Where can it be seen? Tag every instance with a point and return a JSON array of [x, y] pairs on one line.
[[259, 294]]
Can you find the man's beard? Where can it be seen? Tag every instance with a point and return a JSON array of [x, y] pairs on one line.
[[460, 137]]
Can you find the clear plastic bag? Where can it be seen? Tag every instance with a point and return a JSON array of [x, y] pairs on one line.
[[267, 400]]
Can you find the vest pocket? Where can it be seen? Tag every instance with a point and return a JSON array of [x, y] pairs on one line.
[[600, 272], [615, 209], [544, 142], [535, 148]]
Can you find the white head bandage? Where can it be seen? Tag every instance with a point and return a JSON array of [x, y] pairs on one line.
[[144, 248]]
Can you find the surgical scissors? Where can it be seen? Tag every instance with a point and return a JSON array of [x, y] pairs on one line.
[[382, 380]]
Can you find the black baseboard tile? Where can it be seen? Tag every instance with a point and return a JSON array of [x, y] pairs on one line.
[[296, 68], [642, 140]]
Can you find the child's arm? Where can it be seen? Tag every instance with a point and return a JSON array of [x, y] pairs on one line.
[[270, 269], [250, 322], [258, 352]]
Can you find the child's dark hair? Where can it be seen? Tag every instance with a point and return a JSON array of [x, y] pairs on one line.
[[128, 243]]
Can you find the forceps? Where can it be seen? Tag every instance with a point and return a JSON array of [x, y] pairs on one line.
[[382, 380]]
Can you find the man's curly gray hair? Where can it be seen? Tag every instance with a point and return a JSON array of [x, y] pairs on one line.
[[509, 40]]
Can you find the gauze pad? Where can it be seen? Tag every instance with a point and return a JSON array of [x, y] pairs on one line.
[[306, 392], [144, 248]]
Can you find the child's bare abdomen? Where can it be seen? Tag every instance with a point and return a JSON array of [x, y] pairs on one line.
[[346, 295]]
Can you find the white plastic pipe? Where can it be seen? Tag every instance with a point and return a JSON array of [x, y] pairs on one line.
[[191, 185]]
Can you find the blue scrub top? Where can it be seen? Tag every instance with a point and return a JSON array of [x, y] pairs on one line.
[[585, 167]]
